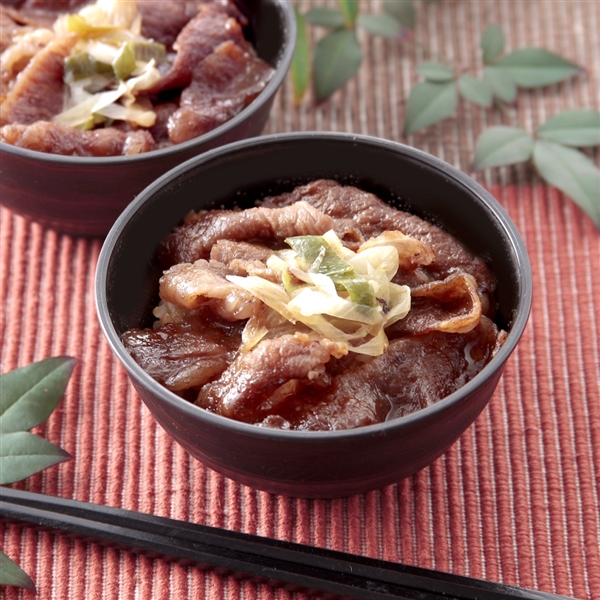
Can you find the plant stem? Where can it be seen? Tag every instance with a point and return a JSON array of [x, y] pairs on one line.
[[506, 111]]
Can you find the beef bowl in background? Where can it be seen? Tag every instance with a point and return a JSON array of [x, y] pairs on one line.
[[84, 195], [310, 463]]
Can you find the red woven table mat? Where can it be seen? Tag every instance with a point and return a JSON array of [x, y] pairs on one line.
[[516, 499]]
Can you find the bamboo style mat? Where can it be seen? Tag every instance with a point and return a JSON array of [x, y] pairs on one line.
[[515, 500]]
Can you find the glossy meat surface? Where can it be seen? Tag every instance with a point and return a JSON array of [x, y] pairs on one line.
[[195, 238], [211, 26], [247, 388], [162, 21], [424, 369], [186, 354], [37, 94], [222, 85], [53, 138], [203, 283], [286, 375]]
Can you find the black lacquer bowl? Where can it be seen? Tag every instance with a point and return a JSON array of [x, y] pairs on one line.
[[84, 195], [311, 464]]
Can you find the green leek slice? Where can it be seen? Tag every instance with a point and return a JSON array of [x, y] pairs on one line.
[[125, 62], [75, 23], [320, 258], [83, 65]]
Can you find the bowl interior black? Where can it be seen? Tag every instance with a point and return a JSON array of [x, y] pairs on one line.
[[267, 29]]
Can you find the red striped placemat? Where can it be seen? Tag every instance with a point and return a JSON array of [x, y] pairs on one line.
[[516, 499]]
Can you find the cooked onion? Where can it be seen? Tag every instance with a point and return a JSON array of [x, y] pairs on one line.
[[328, 295], [102, 84]]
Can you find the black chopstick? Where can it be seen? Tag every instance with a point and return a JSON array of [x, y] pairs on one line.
[[322, 572]]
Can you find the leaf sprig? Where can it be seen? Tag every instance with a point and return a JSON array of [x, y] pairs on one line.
[[553, 147], [553, 152], [436, 98], [27, 398], [338, 54]]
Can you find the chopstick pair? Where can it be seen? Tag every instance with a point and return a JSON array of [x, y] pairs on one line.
[[296, 567]]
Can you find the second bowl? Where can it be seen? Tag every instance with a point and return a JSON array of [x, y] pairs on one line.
[[84, 195]]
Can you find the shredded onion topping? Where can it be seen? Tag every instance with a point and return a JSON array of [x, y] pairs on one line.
[[345, 296], [108, 67]]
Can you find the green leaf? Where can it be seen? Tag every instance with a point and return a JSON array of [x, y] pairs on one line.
[[22, 454], [572, 172], [429, 103], [403, 11], [536, 67], [474, 90], [30, 394], [12, 574], [381, 24], [325, 17], [437, 72], [502, 84], [579, 128], [492, 43], [301, 62], [338, 56], [350, 11], [502, 145]]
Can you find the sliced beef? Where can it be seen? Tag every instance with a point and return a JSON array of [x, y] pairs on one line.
[[243, 258], [425, 370], [192, 285], [212, 26], [360, 215], [227, 251], [16, 58], [223, 84], [254, 376], [10, 23], [59, 139], [194, 239], [483, 343], [269, 386], [184, 355], [163, 21], [160, 129], [451, 305], [38, 94], [231, 8], [336, 414]]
